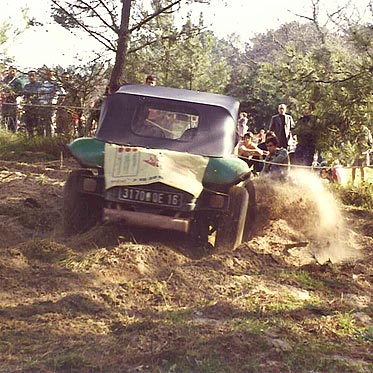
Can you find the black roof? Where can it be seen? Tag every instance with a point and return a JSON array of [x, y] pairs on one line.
[[217, 116], [229, 103]]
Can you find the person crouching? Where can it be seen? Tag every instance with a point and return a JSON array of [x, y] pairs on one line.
[[276, 163]]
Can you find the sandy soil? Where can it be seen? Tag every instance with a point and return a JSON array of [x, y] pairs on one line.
[[297, 297]]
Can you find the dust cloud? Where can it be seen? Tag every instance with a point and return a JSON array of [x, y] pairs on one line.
[[304, 211]]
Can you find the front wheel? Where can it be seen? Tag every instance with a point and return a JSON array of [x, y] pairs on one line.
[[231, 226], [81, 211]]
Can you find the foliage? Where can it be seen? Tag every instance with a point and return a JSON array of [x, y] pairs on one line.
[[119, 29], [297, 63], [9, 31], [359, 196], [3, 30], [181, 56], [302, 65], [188, 61]]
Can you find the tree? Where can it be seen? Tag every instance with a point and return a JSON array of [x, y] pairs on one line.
[[252, 79], [3, 30], [119, 29], [303, 63], [9, 32]]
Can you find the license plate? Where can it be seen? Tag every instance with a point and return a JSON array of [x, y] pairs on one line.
[[150, 196]]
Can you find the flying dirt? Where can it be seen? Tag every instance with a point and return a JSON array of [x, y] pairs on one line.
[[307, 214]]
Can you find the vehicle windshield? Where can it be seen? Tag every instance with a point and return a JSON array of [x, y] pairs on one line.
[[151, 121]]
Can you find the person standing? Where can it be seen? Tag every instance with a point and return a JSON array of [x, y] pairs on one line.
[[282, 124], [50, 93], [364, 143], [242, 124], [261, 136], [95, 112], [30, 99], [307, 135], [11, 89]]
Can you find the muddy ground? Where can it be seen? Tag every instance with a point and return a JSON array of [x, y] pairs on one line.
[[296, 298]]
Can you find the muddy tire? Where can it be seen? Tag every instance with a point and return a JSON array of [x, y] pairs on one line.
[[231, 227], [251, 211], [81, 211]]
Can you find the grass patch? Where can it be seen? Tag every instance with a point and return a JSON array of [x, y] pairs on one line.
[[46, 251], [194, 364], [301, 278], [69, 360], [321, 356], [176, 317], [38, 219], [253, 326], [22, 148], [359, 196]]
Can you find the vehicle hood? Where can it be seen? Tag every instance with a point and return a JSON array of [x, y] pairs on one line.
[[127, 165]]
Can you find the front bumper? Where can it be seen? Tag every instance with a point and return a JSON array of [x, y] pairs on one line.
[[148, 220]]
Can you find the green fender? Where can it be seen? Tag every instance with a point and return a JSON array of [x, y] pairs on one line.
[[222, 171], [88, 151]]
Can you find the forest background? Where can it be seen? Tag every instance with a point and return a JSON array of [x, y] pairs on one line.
[[323, 60]]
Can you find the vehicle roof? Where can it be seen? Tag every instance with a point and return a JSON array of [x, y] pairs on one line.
[[217, 116], [226, 102]]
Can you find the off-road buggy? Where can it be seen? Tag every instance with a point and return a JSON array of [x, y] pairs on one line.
[[163, 158]]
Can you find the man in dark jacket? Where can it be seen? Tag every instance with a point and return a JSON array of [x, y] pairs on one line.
[[281, 124], [307, 135], [30, 97]]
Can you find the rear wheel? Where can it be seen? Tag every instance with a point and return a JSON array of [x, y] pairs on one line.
[[81, 211], [231, 226]]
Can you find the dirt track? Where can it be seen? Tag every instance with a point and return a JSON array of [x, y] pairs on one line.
[[297, 297]]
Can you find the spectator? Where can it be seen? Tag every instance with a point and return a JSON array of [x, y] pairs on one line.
[[276, 163], [247, 146], [50, 93], [242, 124], [261, 136], [151, 80], [30, 98], [69, 115], [281, 124], [11, 89], [247, 150], [95, 111], [258, 166], [292, 145], [306, 132], [364, 144]]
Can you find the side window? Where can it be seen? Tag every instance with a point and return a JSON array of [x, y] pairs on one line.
[[153, 121]]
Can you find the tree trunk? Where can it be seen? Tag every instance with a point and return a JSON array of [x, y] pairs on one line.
[[122, 46]]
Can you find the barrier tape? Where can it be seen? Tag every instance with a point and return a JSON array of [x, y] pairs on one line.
[[290, 165], [49, 106], [55, 106]]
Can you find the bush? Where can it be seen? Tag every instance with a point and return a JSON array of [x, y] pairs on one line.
[[360, 196]]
